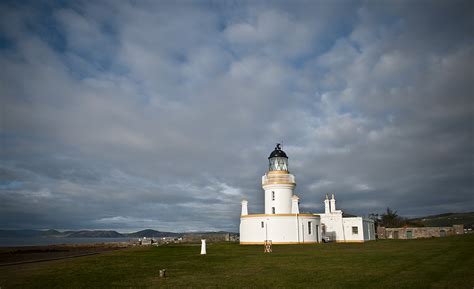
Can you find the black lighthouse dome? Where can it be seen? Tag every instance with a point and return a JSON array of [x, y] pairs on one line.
[[278, 152], [278, 160]]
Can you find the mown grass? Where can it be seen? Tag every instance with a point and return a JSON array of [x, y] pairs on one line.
[[428, 263]]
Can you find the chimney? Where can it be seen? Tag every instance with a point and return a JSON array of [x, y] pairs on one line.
[[245, 210], [327, 209], [294, 205], [333, 203]]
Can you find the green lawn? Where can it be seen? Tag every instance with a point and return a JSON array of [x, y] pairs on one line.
[[430, 263]]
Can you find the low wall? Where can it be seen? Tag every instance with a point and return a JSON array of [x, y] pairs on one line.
[[418, 232]]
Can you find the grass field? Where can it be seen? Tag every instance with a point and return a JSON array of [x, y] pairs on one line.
[[429, 263]]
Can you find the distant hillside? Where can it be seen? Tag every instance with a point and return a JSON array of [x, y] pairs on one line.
[[30, 233], [51, 233], [152, 233], [447, 220], [94, 234], [83, 234]]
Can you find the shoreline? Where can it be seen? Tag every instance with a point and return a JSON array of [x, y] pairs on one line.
[[48, 241]]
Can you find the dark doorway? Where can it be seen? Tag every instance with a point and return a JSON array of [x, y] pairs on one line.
[[442, 233], [395, 234]]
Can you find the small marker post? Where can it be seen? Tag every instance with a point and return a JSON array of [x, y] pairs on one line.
[[203, 247]]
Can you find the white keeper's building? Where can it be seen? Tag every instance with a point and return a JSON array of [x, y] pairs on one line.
[[282, 222]]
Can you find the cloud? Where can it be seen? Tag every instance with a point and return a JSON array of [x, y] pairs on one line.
[[132, 115], [272, 32]]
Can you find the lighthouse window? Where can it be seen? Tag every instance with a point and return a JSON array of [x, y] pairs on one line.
[[309, 228], [273, 210], [278, 164], [263, 224], [355, 230], [273, 196]]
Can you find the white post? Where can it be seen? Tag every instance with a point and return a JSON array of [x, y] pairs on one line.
[[203, 247], [244, 208], [294, 205]]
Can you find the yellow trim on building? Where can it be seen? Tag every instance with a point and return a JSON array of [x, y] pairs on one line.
[[278, 183], [294, 243], [278, 172], [279, 243], [279, 215]]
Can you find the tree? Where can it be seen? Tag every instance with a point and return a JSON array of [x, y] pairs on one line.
[[376, 218], [391, 219]]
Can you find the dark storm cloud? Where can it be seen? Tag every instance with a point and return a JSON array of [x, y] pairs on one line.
[[131, 115]]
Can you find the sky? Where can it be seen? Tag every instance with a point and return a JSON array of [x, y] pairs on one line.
[[128, 115]]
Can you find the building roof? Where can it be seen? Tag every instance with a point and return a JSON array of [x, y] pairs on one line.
[[278, 153]]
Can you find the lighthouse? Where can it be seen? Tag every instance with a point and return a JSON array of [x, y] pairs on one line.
[[281, 223]]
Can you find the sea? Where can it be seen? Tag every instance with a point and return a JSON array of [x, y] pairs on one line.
[[43, 241]]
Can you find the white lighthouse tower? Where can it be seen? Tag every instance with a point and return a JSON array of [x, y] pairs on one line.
[[282, 223], [278, 184]]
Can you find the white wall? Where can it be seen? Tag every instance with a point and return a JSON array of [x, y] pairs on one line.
[[369, 229], [340, 229], [282, 202], [333, 225], [279, 229], [353, 222], [304, 234]]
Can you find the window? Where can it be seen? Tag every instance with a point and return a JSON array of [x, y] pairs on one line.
[[309, 228], [273, 195], [355, 230], [278, 164], [263, 225], [273, 210]]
